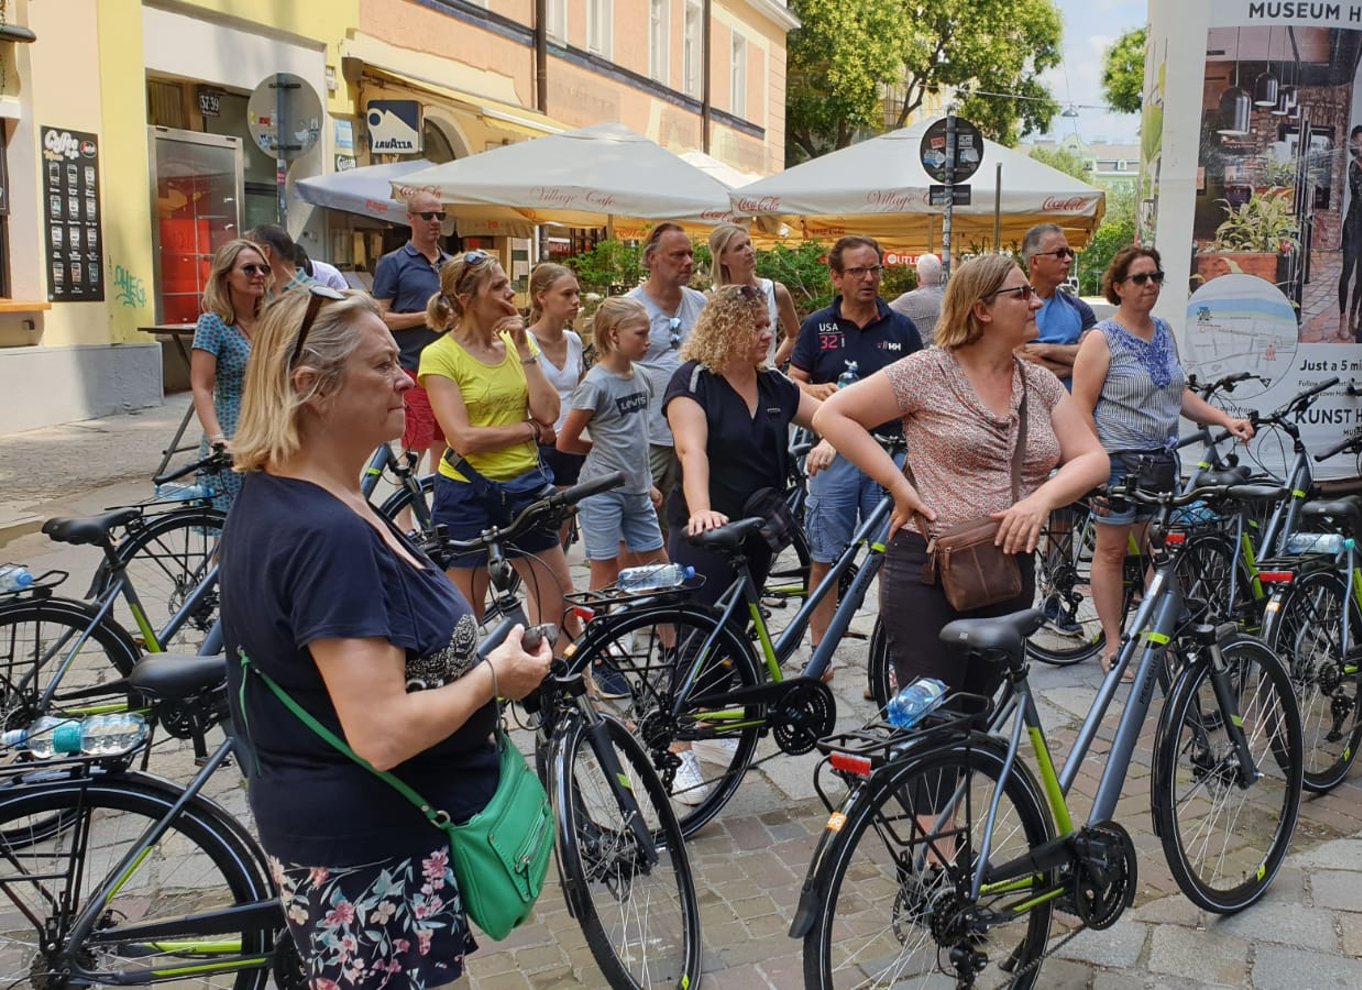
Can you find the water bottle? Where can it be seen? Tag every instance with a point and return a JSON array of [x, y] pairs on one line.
[[14, 577], [918, 699], [97, 735], [1332, 544], [849, 376], [653, 577], [181, 491]]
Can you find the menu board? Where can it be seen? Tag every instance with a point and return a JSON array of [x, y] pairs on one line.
[[71, 216]]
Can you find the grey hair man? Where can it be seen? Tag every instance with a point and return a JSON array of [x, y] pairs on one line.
[[1062, 318], [923, 304]]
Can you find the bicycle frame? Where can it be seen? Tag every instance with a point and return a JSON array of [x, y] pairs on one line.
[[384, 459]]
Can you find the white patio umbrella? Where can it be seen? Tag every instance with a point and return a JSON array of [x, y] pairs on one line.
[[878, 188], [604, 175]]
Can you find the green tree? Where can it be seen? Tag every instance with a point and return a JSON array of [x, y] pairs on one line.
[[1065, 161], [1116, 231], [1123, 72], [849, 52]]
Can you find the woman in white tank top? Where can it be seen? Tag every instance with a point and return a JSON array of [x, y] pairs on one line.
[[735, 263], [554, 303]]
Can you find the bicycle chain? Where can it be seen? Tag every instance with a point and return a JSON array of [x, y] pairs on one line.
[[1012, 980]]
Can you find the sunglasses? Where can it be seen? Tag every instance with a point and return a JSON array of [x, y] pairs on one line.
[[1024, 291], [472, 260], [254, 270], [1059, 253], [430, 214], [320, 294], [674, 332], [1143, 277]]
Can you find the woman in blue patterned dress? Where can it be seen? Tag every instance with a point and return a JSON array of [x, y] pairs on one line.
[[222, 343], [1127, 378]]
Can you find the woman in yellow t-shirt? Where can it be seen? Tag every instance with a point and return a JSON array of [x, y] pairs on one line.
[[495, 407]]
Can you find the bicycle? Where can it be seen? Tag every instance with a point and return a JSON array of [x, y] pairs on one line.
[[960, 856], [693, 676], [1314, 619], [620, 852]]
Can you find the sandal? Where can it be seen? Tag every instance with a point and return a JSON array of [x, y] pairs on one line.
[[1127, 678]]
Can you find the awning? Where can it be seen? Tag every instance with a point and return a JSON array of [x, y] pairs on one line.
[[501, 116]]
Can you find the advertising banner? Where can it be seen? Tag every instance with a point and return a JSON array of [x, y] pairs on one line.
[[71, 216], [1251, 188]]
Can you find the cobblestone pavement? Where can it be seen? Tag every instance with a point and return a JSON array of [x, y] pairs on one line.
[[749, 863]]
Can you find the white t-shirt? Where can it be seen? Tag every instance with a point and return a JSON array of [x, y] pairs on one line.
[[563, 379]]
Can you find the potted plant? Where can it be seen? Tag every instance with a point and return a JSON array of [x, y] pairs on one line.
[[1255, 237]]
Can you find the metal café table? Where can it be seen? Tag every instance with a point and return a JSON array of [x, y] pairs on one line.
[[181, 335]]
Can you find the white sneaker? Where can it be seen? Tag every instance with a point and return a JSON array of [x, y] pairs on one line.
[[720, 752], [688, 785]]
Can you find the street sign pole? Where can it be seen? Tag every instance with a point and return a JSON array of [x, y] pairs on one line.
[[950, 197], [281, 160]]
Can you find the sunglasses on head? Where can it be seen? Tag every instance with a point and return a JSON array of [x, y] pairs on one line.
[[472, 260], [1143, 277], [1025, 291], [321, 294], [1059, 253], [254, 270], [430, 214]]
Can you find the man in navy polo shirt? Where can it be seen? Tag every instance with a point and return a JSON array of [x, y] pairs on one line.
[[858, 328], [404, 281], [1062, 318]]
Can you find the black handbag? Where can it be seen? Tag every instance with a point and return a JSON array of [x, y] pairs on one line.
[[779, 524]]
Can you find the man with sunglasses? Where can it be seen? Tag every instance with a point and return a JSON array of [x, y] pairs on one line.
[[853, 338], [282, 254], [404, 281], [673, 307], [1062, 318]]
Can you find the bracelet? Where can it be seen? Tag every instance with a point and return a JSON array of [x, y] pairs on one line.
[[534, 430], [216, 437], [496, 691], [532, 359]]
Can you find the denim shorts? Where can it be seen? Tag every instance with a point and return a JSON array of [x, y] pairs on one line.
[[465, 514], [837, 496], [1119, 512], [609, 517]]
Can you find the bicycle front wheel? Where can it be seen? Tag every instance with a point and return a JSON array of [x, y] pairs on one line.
[[894, 898], [638, 660], [634, 898], [1307, 633], [200, 869], [167, 557], [1225, 822]]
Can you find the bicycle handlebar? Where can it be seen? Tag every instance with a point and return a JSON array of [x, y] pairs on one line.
[[1225, 384], [1299, 399], [1176, 500], [534, 512], [1204, 434], [1355, 442], [219, 460]]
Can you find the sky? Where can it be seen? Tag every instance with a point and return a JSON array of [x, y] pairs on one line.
[[1090, 27]]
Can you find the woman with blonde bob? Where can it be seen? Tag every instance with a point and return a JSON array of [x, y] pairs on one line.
[[222, 345], [726, 408], [735, 263], [366, 634], [961, 404]]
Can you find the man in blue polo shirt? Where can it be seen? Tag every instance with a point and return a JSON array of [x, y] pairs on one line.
[[853, 338], [1062, 319], [404, 281]]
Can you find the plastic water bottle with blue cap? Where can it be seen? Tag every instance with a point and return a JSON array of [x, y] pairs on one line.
[[914, 702], [97, 735], [850, 376], [653, 577], [180, 491], [15, 577]]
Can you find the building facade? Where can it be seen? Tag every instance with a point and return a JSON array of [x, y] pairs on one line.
[[136, 136]]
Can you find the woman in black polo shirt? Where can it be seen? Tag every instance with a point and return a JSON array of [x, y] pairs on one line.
[[725, 409]]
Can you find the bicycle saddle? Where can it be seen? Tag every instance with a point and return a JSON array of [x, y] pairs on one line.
[[1222, 476], [168, 677], [1003, 633], [88, 529], [730, 536], [1347, 510]]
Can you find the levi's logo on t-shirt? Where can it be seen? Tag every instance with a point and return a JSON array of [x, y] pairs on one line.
[[637, 402]]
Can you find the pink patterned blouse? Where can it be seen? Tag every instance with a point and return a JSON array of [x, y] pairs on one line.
[[960, 452]]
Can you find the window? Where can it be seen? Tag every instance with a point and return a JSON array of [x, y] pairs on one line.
[[738, 83], [1121, 165], [557, 22], [600, 15], [693, 49], [659, 16]]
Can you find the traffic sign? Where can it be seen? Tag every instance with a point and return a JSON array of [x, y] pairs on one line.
[[969, 150], [936, 195]]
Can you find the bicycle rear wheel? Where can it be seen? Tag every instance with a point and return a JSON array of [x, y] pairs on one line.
[[1307, 633], [1225, 827], [167, 557], [640, 914], [201, 866], [893, 897], [1072, 632]]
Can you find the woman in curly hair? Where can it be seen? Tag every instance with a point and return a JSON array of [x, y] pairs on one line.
[[725, 408]]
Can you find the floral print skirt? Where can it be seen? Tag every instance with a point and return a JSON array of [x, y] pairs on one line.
[[398, 923]]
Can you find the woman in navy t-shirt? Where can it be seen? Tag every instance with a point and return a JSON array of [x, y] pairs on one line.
[[368, 635]]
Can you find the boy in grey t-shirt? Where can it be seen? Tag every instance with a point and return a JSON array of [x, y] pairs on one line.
[[612, 401]]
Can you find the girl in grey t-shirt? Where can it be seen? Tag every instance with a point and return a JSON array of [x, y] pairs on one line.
[[612, 400]]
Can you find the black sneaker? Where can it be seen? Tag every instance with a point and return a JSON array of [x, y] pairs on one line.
[[610, 682]]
